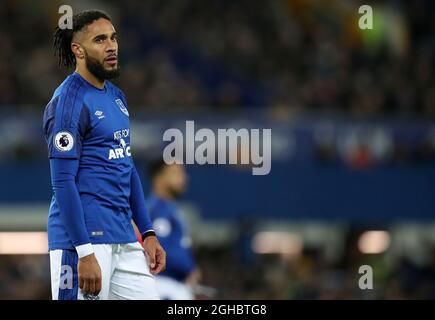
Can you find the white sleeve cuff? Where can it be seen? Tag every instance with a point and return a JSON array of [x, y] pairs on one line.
[[84, 250]]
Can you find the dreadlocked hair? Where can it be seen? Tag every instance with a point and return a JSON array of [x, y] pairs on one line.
[[62, 38]]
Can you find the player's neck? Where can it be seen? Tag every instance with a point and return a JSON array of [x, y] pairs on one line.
[[89, 77], [163, 193]]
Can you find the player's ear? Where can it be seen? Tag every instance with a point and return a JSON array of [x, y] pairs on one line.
[[77, 50]]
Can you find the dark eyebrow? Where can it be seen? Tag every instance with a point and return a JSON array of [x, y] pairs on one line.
[[104, 36], [100, 36]]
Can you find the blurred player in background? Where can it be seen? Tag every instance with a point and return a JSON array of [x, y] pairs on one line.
[[97, 191], [169, 183]]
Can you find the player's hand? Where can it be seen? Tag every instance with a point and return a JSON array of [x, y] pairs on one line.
[[89, 274], [155, 254]]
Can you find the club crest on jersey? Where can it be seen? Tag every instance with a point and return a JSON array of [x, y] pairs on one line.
[[64, 141], [122, 107]]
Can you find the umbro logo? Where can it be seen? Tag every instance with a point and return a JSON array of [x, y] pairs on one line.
[[100, 114]]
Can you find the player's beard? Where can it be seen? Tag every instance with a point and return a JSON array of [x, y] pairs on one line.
[[176, 193], [98, 70]]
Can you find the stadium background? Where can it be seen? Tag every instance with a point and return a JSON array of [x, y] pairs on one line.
[[353, 139]]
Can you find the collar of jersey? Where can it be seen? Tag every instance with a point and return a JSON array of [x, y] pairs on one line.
[[154, 198], [90, 84]]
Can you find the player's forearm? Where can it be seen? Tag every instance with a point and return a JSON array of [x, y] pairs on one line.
[[63, 173], [137, 202]]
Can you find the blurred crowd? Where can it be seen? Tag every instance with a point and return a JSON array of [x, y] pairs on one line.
[[291, 55], [310, 275], [309, 55], [25, 277]]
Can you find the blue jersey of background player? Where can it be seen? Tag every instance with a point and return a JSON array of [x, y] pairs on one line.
[[97, 190], [168, 184]]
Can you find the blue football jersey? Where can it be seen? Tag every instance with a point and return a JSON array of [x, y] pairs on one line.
[[173, 236], [91, 124]]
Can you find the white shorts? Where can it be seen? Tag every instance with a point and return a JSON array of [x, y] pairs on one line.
[[171, 289], [124, 271]]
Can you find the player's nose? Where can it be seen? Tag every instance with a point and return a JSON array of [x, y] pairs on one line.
[[112, 47], [111, 50]]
